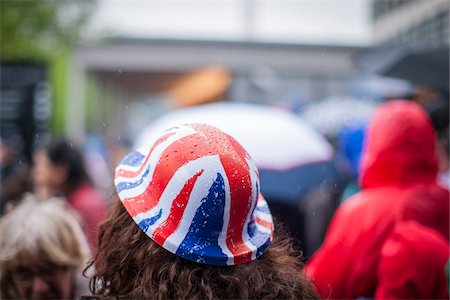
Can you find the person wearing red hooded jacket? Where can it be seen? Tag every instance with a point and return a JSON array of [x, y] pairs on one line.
[[412, 264], [398, 180]]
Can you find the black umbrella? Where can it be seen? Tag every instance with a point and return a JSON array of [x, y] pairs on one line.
[[428, 67], [421, 66]]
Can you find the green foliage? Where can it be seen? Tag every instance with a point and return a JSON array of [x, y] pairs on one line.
[[33, 29], [44, 31], [58, 75]]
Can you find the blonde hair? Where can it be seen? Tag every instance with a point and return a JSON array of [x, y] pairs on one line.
[[44, 233]]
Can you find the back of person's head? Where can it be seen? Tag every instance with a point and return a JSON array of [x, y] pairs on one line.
[[14, 173], [399, 146], [42, 249], [189, 222], [63, 154], [131, 265]]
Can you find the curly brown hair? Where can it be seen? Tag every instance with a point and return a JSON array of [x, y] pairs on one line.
[[131, 265]]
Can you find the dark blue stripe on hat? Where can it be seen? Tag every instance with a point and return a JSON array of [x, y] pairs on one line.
[[146, 223], [133, 159], [263, 209], [200, 245], [259, 238], [121, 186]]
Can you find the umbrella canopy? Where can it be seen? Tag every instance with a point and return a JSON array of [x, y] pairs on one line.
[[421, 66], [379, 87], [290, 155], [332, 114], [424, 67]]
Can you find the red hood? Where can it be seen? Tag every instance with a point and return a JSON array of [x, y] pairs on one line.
[[400, 147]]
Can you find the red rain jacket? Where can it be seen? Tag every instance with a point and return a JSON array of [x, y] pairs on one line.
[[92, 210], [412, 264], [398, 180]]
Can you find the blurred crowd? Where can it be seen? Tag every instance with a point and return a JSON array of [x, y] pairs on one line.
[[378, 228]]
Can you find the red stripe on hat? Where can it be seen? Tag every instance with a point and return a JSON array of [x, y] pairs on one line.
[[130, 174], [238, 175], [173, 158], [264, 223], [163, 231]]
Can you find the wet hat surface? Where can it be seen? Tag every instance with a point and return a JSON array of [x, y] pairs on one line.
[[195, 192]]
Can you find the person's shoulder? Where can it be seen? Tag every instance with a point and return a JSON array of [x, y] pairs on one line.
[[87, 195], [353, 203], [425, 192]]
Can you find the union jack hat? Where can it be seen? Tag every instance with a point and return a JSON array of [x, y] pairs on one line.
[[195, 192]]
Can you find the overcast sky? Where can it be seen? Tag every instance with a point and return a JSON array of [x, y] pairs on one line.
[[342, 22]]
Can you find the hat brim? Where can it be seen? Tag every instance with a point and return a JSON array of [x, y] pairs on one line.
[[213, 248]]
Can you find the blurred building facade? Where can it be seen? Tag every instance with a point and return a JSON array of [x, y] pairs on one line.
[[132, 76], [121, 84], [412, 22], [25, 106]]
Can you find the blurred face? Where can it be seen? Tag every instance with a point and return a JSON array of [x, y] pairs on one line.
[[53, 282], [5, 154], [46, 174]]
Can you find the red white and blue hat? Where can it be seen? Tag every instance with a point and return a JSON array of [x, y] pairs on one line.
[[195, 192]]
